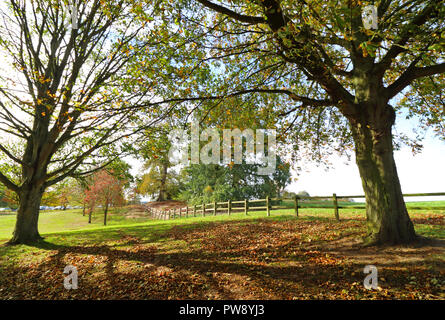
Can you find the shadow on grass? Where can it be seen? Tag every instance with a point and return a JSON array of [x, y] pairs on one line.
[[302, 270]]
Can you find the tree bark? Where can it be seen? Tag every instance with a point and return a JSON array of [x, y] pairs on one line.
[[162, 190], [106, 213], [387, 217], [26, 227]]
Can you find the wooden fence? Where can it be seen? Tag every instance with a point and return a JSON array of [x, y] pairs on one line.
[[333, 202]]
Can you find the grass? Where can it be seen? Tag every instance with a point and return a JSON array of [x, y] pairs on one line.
[[69, 220], [59, 221], [218, 257]]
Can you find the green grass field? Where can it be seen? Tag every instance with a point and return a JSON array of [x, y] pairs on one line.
[[69, 220], [59, 221]]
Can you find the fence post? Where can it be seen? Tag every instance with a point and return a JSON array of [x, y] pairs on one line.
[[296, 204], [334, 197], [174, 213], [246, 206], [214, 208], [194, 210], [203, 209], [268, 206], [187, 211], [229, 206]]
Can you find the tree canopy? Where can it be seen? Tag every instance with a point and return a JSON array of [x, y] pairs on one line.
[[71, 96], [204, 183], [80, 82], [328, 83]]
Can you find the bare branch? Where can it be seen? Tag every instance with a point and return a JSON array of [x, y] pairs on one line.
[[232, 14], [410, 75]]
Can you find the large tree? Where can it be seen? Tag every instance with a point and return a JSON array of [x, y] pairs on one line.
[[70, 92], [158, 181], [313, 69], [203, 183]]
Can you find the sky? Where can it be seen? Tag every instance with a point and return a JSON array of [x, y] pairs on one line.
[[420, 173]]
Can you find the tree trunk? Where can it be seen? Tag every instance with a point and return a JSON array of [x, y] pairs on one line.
[[387, 217], [162, 188], [105, 213], [26, 227]]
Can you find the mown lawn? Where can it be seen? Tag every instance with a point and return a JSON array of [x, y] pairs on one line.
[[222, 257], [58, 221]]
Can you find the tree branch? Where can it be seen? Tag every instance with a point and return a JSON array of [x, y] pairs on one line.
[[9, 184], [410, 75], [406, 34], [232, 14]]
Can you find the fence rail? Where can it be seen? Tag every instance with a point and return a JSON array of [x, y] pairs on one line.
[[215, 208]]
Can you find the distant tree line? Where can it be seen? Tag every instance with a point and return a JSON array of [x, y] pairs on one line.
[[200, 183]]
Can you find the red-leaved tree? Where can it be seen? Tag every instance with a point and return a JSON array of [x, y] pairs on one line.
[[105, 189]]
